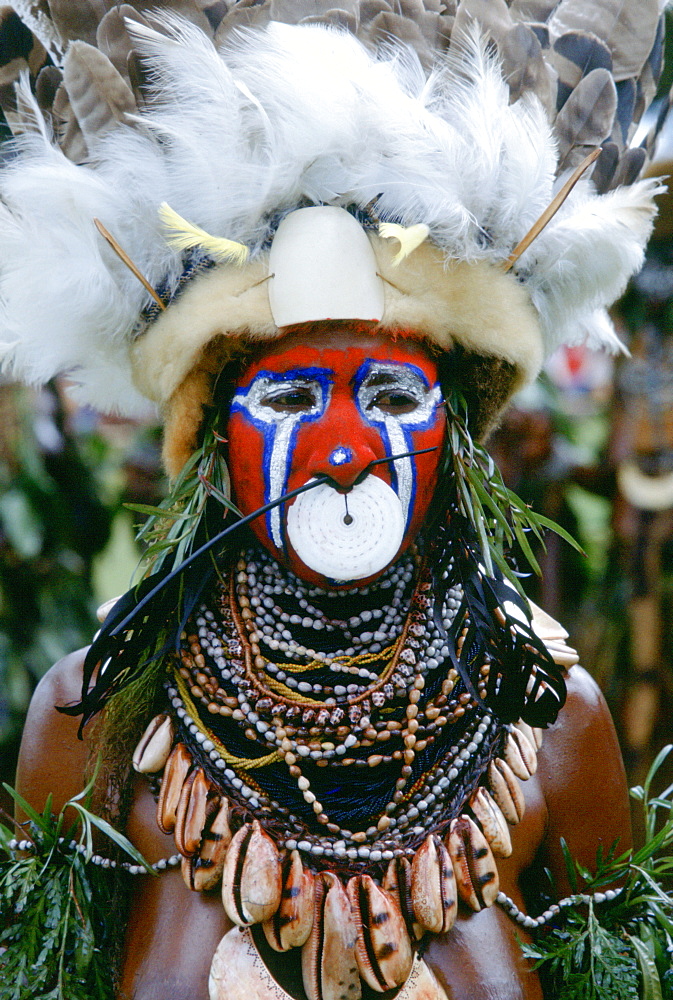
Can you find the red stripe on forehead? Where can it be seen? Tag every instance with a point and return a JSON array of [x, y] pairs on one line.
[[335, 345]]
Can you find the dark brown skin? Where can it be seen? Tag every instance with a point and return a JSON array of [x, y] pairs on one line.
[[578, 793]]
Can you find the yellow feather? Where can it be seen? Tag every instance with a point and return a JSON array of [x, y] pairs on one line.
[[182, 235], [409, 237]]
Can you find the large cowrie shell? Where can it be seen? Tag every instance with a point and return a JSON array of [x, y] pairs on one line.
[[520, 754], [251, 877], [534, 735], [205, 870], [383, 949], [561, 653], [177, 767], [328, 966], [291, 924], [104, 609], [433, 889], [154, 745], [506, 790], [190, 817], [476, 872], [397, 881], [491, 820]]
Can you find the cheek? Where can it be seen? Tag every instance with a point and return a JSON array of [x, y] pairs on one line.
[[427, 469], [246, 462]]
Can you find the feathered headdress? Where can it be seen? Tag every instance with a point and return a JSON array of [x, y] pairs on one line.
[[444, 129]]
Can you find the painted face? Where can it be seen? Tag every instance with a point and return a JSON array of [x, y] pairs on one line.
[[334, 407]]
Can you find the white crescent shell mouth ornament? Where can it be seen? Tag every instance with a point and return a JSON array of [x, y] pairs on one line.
[[347, 536]]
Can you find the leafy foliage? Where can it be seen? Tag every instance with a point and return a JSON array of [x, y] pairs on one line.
[[499, 517], [58, 928], [619, 950], [171, 528]]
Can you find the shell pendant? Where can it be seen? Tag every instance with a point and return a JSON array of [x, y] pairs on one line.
[[238, 972]]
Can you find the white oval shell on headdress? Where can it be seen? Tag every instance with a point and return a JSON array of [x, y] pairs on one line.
[[351, 542], [322, 266]]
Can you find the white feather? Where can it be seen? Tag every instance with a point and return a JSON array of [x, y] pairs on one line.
[[234, 139], [584, 258]]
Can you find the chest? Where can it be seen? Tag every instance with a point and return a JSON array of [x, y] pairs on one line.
[[173, 934]]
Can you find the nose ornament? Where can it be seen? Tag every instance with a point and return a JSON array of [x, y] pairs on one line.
[[340, 456]]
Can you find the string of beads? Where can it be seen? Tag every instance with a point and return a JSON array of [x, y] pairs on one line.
[[165, 864]]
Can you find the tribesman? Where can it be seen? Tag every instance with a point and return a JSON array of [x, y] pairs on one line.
[[327, 246]]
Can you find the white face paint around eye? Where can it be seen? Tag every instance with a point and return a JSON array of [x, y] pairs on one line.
[[398, 400], [277, 405]]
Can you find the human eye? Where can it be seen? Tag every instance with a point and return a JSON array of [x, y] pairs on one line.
[[394, 402], [291, 399]]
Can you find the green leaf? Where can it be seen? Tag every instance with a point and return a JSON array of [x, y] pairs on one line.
[[25, 806], [655, 766], [118, 838], [526, 549], [570, 866], [143, 508], [651, 984], [561, 532]]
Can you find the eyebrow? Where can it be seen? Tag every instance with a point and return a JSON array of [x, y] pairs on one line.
[[385, 378]]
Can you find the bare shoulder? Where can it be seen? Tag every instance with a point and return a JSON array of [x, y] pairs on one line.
[[582, 777], [52, 758]]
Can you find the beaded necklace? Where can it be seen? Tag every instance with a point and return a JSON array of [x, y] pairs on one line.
[[350, 736], [333, 770]]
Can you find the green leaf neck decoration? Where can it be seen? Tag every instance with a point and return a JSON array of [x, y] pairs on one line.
[[622, 949], [499, 517], [171, 529]]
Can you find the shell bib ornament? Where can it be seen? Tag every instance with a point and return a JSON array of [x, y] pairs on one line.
[[353, 881]]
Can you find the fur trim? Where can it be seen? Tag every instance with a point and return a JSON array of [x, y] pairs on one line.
[[476, 306]]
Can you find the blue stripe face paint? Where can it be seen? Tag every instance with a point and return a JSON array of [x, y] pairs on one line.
[[277, 404], [398, 399], [336, 407]]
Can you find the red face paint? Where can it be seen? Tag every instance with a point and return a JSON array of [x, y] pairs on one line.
[[331, 404]]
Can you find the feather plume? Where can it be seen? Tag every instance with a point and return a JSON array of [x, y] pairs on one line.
[[628, 29], [77, 19], [409, 237], [584, 261], [113, 39], [46, 87], [525, 68], [99, 96], [586, 118], [493, 17], [533, 10], [34, 17], [70, 136], [237, 132], [574, 55], [184, 236]]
